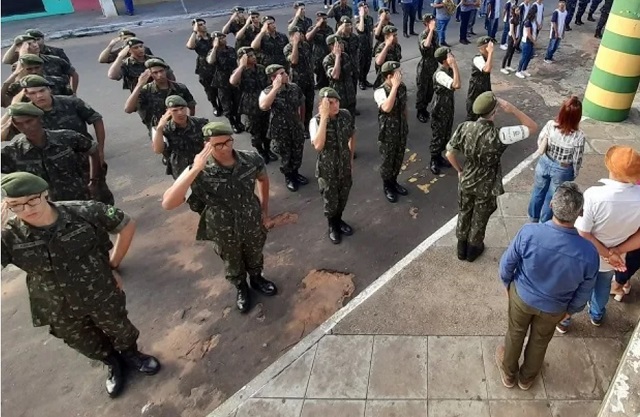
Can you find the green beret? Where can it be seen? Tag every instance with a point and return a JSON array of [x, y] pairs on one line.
[[34, 33], [383, 10], [175, 101], [345, 19], [389, 29], [216, 129], [273, 68], [155, 62], [238, 9], [22, 38], [218, 34], [198, 20], [362, 4], [298, 4], [22, 184], [33, 80], [331, 39], [329, 93], [389, 66], [322, 14], [483, 40], [245, 50], [485, 103], [126, 32], [133, 41], [24, 109], [31, 59], [426, 17], [254, 13], [441, 52], [265, 18]]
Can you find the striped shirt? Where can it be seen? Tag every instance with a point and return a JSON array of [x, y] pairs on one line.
[[566, 149]]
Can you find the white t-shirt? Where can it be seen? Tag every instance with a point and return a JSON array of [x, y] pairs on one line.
[[478, 62], [540, 14], [380, 96], [559, 18], [444, 79]]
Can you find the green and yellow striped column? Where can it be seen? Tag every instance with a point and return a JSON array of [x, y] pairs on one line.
[[616, 71]]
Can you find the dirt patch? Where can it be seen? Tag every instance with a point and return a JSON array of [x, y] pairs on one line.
[[282, 219]]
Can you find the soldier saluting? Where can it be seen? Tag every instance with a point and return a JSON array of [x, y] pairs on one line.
[[389, 50], [480, 80], [364, 29], [299, 20], [298, 53], [318, 37], [223, 60], [427, 44], [339, 68]]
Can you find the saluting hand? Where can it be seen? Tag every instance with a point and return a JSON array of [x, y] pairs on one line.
[[323, 108], [490, 46], [277, 83], [244, 61], [200, 161], [124, 52], [396, 79], [506, 106], [165, 118], [144, 77]]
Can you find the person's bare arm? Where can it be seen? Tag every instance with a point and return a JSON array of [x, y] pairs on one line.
[[157, 141], [101, 135], [456, 76], [115, 70], [631, 244], [191, 42], [236, 76], [522, 118], [122, 244], [295, 52], [103, 58], [227, 27], [263, 194], [131, 104], [382, 56], [257, 42], [212, 56], [337, 66], [175, 196], [488, 65], [266, 100], [312, 32], [74, 80], [11, 56]]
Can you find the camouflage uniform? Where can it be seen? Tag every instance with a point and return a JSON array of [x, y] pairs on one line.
[[132, 69], [479, 83], [337, 11], [253, 81], [604, 15], [426, 68], [345, 87], [226, 62], [303, 24], [394, 54], [184, 143], [57, 67], [204, 70], [232, 218], [235, 27], [58, 87], [54, 51], [151, 100], [302, 75], [441, 115], [70, 283], [393, 132], [481, 181], [59, 162], [320, 50], [352, 48], [285, 126], [333, 168], [113, 55], [272, 49], [366, 48]]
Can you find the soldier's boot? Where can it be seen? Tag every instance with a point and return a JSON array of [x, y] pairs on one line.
[[115, 378], [363, 86], [568, 28], [389, 191], [598, 33], [263, 153], [292, 184], [345, 229], [423, 115], [243, 301], [590, 17], [272, 152], [141, 362], [217, 107], [334, 231], [473, 252], [579, 21], [262, 285], [239, 123], [300, 179], [399, 189], [462, 250], [434, 166], [234, 125]]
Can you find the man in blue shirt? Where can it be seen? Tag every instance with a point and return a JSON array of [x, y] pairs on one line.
[[549, 271]]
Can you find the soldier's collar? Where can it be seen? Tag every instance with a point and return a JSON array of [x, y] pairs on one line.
[[26, 144], [173, 126]]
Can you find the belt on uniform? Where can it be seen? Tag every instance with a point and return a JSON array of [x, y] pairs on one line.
[[562, 164]]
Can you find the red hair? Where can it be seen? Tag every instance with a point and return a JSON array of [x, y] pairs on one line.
[[568, 119]]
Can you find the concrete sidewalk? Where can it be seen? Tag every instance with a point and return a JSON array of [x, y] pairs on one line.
[[420, 341]]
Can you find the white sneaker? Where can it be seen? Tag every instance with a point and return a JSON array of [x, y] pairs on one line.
[[503, 47], [326, 7], [520, 75], [511, 69], [548, 61], [504, 71], [526, 73]]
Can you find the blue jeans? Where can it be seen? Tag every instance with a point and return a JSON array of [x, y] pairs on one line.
[[505, 34], [472, 19], [419, 4], [128, 4], [492, 28], [441, 29], [527, 53], [548, 176], [464, 23], [599, 297], [554, 43], [483, 7]]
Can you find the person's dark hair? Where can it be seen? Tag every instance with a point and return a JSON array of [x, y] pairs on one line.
[[531, 14], [567, 202], [569, 116]]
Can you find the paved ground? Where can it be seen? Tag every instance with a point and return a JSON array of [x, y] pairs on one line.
[[176, 291]]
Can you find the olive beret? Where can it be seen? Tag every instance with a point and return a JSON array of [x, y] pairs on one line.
[[238, 9], [329, 92], [218, 34], [273, 68], [216, 129], [345, 19], [198, 20], [362, 4], [34, 33], [22, 184], [322, 14], [427, 16], [383, 10], [485, 103], [155, 62], [134, 41], [483, 40], [33, 80], [389, 29], [31, 59], [331, 39], [298, 4], [441, 52], [24, 109], [265, 18], [126, 32], [245, 50], [389, 67], [22, 38], [254, 13], [175, 101]]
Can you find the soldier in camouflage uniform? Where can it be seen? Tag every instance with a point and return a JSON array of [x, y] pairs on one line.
[[389, 50], [351, 43], [237, 21], [117, 44], [364, 29], [391, 99], [247, 33], [299, 20], [148, 98], [446, 80], [251, 79], [201, 42], [234, 217], [317, 36], [480, 81], [178, 135], [285, 102], [339, 68], [604, 16], [332, 135], [270, 43], [482, 145], [35, 36], [299, 55], [340, 9], [427, 44], [130, 64], [64, 249], [30, 64], [44, 48], [384, 19], [223, 59], [54, 155]]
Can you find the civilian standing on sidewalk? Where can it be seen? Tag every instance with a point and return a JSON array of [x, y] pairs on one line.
[[494, 13], [512, 42], [509, 9], [548, 271], [558, 19], [408, 18], [621, 286], [527, 42], [472, 18], [442, 20], [467, 7], [561, 144]]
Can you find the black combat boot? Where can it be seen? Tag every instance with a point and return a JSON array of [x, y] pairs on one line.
[[334, 231], [443, 162], [115, 378], [345, 229], [423, 116], [300, 179], [598, 34], [243, 301], [262, 285], [363, 86], [590, 18], [239, 123], [292, 184], [579, 21], [568, 28], [261, 151], [217, 107], [140, 362], [389, 191], [434, 166], [473, 252], [399, 189], [462, 250]]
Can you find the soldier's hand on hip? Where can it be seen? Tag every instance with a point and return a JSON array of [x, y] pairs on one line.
[[200, 161]]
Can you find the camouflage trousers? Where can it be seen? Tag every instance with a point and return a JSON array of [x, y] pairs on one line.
[[104, 193], [335, 192], [241, 253], [309, 97], [210, 91], [425, 89], [257, 126], [321, 77], [441, 126], [230, 101], [473, 215], [290, 145], [97, 334], [392, 156], [364, 66]]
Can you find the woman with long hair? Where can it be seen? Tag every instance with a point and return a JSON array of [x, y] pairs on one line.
[[561, 144], [512, 42], [527, 43]]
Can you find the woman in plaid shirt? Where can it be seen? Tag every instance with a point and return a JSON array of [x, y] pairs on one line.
[[561, 144]]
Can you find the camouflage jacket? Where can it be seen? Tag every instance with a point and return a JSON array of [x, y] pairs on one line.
[[380, 38], [116, 51], [272, 49], [131, 69], [226, 62], [344, 86], [249, 35], [320, 49], [59, 162], [428, 64], [366, 44], [70, 112], [394, 54], [394, 124], [57, 67], [67, 263], [151, 105], [334, 160], [444, 103], [60, 87], [232, 206], [352, 48], [480, 144], [52, 50], [303, 24], [337, 11], [203, 46], [253, 81], [479, 82], [285, 110], [302, 72], [184, 142]]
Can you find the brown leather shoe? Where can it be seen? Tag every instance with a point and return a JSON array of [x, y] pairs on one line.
[[507, 381]]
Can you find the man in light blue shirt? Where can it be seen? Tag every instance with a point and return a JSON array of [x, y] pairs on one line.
[[467, 11]]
